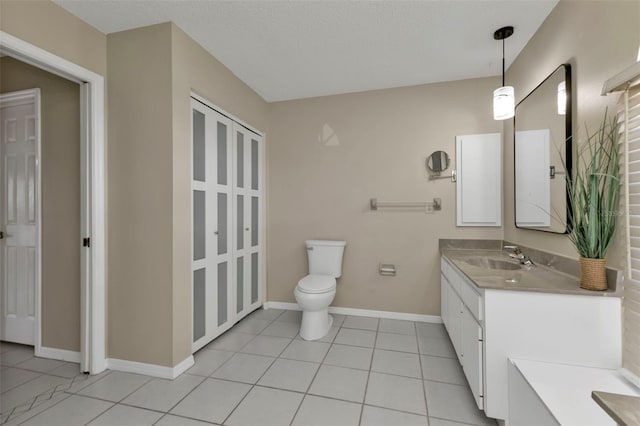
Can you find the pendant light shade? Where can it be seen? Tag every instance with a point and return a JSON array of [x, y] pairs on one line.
[[504, 102]]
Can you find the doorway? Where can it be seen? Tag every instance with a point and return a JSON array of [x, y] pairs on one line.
[[92, 355]]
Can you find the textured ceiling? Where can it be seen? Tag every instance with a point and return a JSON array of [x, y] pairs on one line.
[[298, 49]]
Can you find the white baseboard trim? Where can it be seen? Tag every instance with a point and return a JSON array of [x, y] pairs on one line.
[[59, 354], [150, 369], [361, 312]]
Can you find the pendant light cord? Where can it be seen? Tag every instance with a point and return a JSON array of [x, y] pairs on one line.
[[503, 62]]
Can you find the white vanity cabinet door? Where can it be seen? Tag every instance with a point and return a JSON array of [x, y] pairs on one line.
[[472, 360], [454, 308], [479, 179], [444, 300]]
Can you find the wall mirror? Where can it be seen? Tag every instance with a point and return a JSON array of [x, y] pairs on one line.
[[438, 161], [542, 137]]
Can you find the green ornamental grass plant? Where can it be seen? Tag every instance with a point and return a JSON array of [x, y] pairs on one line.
[[594, 190]]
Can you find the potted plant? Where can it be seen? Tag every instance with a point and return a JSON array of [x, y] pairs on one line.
[[594, 193]]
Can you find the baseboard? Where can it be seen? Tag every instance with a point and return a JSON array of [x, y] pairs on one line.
[[150, 369], [362, 312], [59, 354]]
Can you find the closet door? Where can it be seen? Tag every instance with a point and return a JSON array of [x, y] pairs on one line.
[[247, 225], [212, 219]]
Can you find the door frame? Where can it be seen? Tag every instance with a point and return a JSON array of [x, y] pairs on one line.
[[93, 194], [16, 98]]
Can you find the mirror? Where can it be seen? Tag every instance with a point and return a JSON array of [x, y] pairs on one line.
[[438, 162], [542, 137]]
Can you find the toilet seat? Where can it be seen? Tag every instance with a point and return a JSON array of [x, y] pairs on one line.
[[315, 284]]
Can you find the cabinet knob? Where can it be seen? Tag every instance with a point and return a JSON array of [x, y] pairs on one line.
[[246, 229], [215, 232]]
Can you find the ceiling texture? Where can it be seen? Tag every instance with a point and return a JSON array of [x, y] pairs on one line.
[[299, 49]]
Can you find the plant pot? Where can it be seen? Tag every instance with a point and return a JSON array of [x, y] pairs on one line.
[[593, 274]]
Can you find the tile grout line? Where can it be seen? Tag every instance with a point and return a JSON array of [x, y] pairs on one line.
[[366, 386], [424, 387]]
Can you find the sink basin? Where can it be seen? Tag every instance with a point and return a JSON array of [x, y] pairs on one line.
[[487, 263]]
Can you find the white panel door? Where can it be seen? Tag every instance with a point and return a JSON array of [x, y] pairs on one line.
[[478, 186], [18, 222], [533, 184]]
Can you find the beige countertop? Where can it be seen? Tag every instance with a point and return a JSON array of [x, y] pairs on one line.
[[624, 409], [539, 278]]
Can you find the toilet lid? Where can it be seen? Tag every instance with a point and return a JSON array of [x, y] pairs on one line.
[[317, 284]]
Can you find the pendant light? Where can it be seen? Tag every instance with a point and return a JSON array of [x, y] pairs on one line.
[[503, 97]]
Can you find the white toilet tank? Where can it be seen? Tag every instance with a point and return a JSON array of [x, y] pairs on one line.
[[325, 257]]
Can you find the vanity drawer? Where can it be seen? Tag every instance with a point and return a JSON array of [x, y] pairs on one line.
[[472, 299], [451, 275]]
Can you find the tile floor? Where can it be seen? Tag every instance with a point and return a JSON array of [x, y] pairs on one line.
[[366, 371]]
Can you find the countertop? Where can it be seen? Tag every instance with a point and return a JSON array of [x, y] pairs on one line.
[[624, 409], [538, 278]]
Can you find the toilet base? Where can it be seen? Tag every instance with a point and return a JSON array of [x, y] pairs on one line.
[[315, 324]]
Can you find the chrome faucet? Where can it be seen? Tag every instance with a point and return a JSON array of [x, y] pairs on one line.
[[518, 254]]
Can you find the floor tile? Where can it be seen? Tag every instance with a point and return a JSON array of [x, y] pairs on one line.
[[375, 416], [266, 314], [454, 402], [266, 345], [290, 316], [338, 319], [433, 421], [349, 356], [161, 394], [264, 406], [115, 387], [199, 403], [397, 326], [397, 393], [435, 346], [24, 412], [426, 329], [75, 410], [329, 337], [251, 326], [303, 350], [442, 370], [290, 375], [123, 415], [171, 420], [27, 391], [79, 382], [349, 336], [282, 329], [69, 369], [16, 355], [340, 383], [42, 365], [362, 323], [397, 342], [12, 377], [230, 341], [398, 363], [207, 361], [244, 368], [318, 411]]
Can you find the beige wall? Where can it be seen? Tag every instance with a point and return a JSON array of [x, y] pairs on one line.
[[140, 199], [193, 69], [60, 161], [50, 27], [321, 191], [598, 39]]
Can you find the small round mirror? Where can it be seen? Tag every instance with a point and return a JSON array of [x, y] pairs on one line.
[[438, 161]]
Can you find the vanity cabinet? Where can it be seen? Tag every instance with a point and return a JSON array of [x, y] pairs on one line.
[[488, 325], [464, 327]]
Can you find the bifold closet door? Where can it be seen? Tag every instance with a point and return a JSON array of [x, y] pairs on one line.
[[247, 219], [212, 191]]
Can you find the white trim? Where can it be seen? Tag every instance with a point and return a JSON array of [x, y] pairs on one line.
[[25, 97], [94, 108], [59, 354], [436, 319], [630, 377], [151, 369]]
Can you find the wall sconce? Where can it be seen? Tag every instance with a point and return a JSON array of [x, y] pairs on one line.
[[562, 98], [503, 97]]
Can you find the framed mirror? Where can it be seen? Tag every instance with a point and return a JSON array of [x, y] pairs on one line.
[[542, 154], [438, 162]]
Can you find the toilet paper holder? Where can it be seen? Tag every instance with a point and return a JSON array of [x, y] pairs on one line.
[[387, 269]]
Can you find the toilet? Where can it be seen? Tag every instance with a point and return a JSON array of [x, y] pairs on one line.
[[315, 292]]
